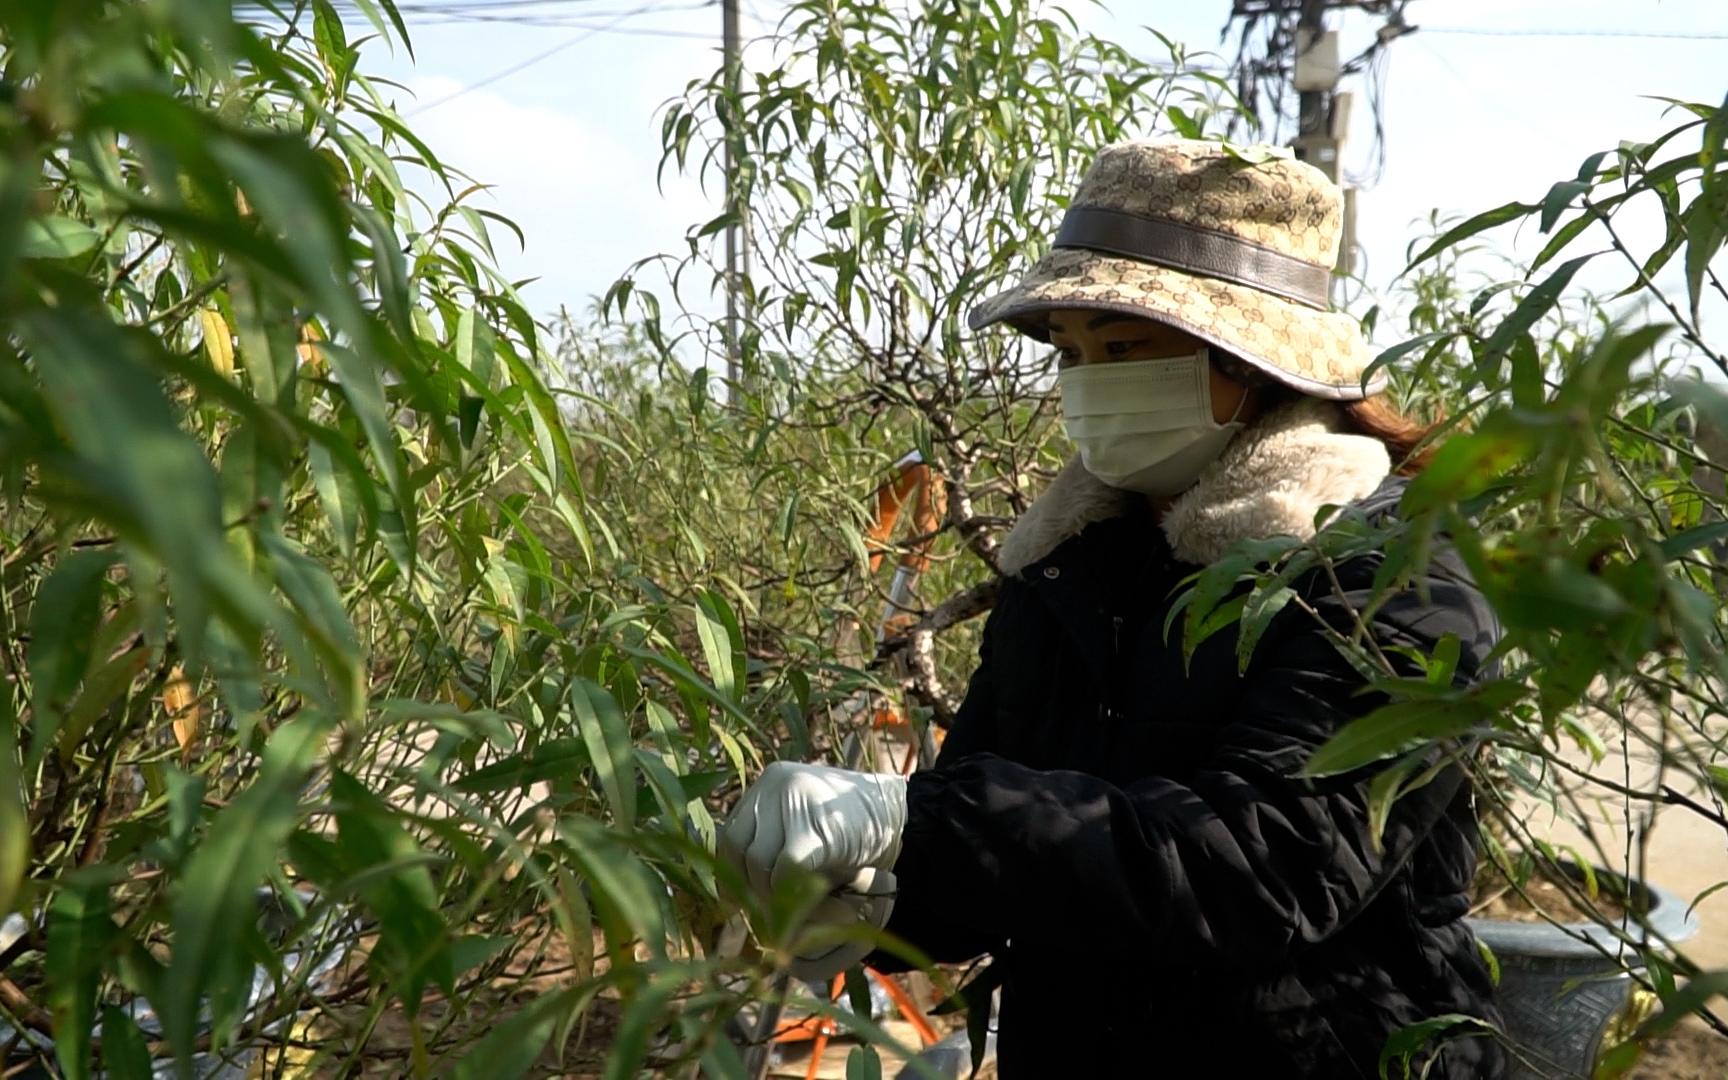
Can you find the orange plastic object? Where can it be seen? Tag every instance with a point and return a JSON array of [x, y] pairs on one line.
[[827, 1029], [911, 480], [908, 1008], [819, 1030]]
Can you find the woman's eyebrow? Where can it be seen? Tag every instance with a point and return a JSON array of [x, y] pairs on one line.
[[1107, 318]]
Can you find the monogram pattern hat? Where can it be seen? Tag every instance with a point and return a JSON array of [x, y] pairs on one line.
[[1236, 252]]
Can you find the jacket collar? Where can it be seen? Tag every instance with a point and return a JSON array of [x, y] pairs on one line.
[[1270, 481]]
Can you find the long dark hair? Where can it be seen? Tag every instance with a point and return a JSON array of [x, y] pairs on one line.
[[1406, 438]]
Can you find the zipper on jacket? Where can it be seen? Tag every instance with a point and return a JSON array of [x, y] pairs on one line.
[[1107, 710]]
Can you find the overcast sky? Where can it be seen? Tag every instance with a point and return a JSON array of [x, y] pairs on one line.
[[1477, 111]]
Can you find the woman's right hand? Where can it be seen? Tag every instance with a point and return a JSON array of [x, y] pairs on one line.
[[840, 824], [816, 818]]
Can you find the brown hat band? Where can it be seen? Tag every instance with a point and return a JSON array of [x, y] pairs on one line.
[[1198, 251]]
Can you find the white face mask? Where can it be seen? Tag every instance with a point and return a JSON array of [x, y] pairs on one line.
[[1145, 425]]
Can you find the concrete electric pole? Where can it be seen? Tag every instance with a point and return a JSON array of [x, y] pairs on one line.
[[1321, 124], [1316, 79], [1300, 51]]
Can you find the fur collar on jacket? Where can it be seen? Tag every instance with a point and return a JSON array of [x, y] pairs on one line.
[[1270, 481]]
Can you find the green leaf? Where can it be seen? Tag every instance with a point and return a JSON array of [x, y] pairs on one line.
[[1560, 197], [1442, 668], [1707, 400], [389, 870], [81, 935], [863, 1064], [153, 483], [324, 617], [125, 1054], [1617, 1061], [1705, 236], [472, 950], [1401, 350], [338, 495], [1392, 783], [1687, 1000], [857, 984], [105, 683], [1188, 128], [1465, 466], [644, 1008], [552, 443], [558, 759], [1262, 606], [293, 192], [1535, 304], [1691, 540], [1405, 1043], [15, 843], [363, 386], [511, 1048], [607, 735], [1718, 777], [722, 644], [1389, 730], [56, 237], [1481, 223], [626, 893], [63, 621], [221, 877]]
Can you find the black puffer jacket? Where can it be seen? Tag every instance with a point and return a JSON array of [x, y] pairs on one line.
[[1132, 843]]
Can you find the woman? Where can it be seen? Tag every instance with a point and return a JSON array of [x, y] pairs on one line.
[[1123, 830]]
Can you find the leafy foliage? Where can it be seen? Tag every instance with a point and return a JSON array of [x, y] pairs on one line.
[[303, 610], [897, 162], [376, 659]]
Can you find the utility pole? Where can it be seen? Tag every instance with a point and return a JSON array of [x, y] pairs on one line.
[[738, 232], [1298, 50], [1321, 125], [1315, 79]]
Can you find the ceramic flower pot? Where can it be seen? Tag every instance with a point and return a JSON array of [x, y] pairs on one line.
[[1562, 987]]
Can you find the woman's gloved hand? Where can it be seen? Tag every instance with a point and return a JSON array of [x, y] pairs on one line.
[[828, 821], [840, 824], [866, 900]]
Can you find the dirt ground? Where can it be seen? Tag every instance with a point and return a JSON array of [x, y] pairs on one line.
[[1693, 1052]]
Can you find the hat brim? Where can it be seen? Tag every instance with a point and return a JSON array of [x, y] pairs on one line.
[[1320, 353]]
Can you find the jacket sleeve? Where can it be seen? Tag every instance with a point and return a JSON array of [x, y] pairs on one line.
[[1246, 862]]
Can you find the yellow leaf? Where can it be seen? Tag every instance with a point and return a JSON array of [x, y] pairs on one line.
[[310, 356], [218, 342], [181, 701], [456, 694]]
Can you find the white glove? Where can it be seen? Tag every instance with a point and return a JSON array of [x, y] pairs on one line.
[[840, 824], [828, 821], [867, 900]]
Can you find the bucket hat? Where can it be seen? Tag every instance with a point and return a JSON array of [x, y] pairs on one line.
[[1235, 251]]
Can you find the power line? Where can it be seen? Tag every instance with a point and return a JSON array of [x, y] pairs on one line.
[[625, 31], [532, 60], [1470, 88], [1477, 31], [437, 6], [573, 20], [562, 14]]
